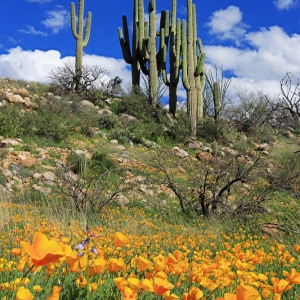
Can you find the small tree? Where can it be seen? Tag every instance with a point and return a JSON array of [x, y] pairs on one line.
[[205, 187], [64, 78]]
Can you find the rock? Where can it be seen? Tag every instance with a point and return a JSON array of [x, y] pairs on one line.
[[120, 148], [57, 97], [30, 104], [10, 141], [29, 162], [70, 176], [36, 175], [41, 189], [22, 92], [113, 142], [7, 173], [49, 176], [291, 129], [104, 112], [271, 228], [126, 117], [49, 96], [193, 145], [148, 144], [12, 98], [289, 135], [204, 156], [3, 103], [86, 103], [207, 149], [180, 152], [266, 153], [230, 151], [121, 200], [263, 147]]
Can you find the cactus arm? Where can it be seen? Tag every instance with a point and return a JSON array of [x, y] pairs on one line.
[[87, 29], [73, 20], [200, 59], [124, 41], [185, 80], [217, 100]]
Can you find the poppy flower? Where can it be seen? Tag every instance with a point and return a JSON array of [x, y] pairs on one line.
[[120, 239], [160, 286], [43, 251], [23, 294]]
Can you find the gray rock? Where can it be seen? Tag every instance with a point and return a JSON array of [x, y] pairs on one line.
[[104, 112], [49, 176], [11, 141], [113, 141], [120, 148], [180, 152], [126, 117], [86, 103]]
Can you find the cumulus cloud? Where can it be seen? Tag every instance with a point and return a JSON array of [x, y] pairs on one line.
[[31, 30], [36, 65], [57, 19], [227, 24], [285, 4]]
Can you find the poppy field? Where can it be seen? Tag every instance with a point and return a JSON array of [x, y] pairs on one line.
[[127, 255]]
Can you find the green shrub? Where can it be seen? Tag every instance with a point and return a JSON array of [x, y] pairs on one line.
[[107, 121], [100, 162], [123, 135]]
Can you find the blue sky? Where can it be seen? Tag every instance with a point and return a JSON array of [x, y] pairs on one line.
[[257, 40]]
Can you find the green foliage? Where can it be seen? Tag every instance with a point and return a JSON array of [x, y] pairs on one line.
[[101, 162], [107, 121], [123, 135], [12, 121]]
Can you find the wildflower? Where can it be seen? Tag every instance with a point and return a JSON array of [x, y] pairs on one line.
[[293, 277], [55, 293], [37, 288], [23, 294], [120, 239], [160, 286], [143, 263], [247, 292], [81, 281], [43, 251]]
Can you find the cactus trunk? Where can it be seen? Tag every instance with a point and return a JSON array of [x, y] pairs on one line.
[[131, 56], [80, 43], [217, 100], [192, 69]]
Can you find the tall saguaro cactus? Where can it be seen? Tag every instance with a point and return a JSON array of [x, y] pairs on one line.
[[192, 66], [132, 56], [147, 47], [78, 35], [171, 36]]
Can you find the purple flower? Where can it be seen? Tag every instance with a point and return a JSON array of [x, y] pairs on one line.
[[79, 246], [94, 251]]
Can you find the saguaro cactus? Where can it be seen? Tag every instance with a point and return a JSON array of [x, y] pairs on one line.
[[147, 47], [80, 42], [171, 36], [132, 56], [217, 100], [192, 66]]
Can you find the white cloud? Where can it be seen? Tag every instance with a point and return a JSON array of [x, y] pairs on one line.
[[157, 16], [264, 65], [57, 19], [227, 24], [36, 65], [31, 30], [285, 4]]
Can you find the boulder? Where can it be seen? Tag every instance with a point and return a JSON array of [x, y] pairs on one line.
[[86, 103], [12, 98], [104, 112], [10, 141], [180, 152], [22, 92], [204, 156], [193, 145]]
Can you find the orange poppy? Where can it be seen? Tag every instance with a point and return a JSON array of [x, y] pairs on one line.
[[43, 251]]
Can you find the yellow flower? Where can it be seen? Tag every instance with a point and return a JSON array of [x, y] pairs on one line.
[[37, 288], [120, 239], [23, 294]]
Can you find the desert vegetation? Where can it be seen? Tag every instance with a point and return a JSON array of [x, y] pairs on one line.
[[106, 194]]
